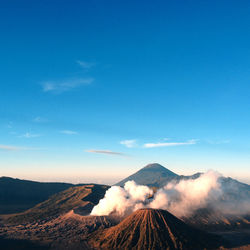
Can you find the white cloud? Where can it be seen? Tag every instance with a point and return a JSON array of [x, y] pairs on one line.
[[63, 86], [85, 65], [39, 119], [10, 148], [10, 125], [169, 144], [68, 132], [128, 143], [29, 135], [218, 142], [108, 152]]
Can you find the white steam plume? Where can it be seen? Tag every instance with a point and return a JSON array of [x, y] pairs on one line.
[[122, 200], [184, 197], [181, 198]]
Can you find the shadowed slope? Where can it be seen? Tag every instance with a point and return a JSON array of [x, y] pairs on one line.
[[80, 198], [154, 229], [12, 244], [19, 195]]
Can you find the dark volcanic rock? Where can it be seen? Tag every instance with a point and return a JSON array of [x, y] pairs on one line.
[[13, 244]]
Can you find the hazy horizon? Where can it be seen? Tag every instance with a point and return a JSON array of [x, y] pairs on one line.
[[111, 180]]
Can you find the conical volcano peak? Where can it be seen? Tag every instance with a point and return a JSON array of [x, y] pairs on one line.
[[154, 229], [153, 174], [154, 166], [150, 211], [159, 168]]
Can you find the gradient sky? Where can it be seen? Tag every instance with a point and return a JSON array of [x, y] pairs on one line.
[[91, 91]]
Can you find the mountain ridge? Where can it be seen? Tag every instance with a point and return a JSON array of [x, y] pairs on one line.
[[18, 195], [79, 198], [156, 175]]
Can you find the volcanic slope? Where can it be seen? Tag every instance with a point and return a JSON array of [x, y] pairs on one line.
[[153, 229], [79, 198], [152, 175]]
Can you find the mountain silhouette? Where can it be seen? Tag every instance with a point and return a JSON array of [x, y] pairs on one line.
[[81, 199], [151, 175], [18, 195]]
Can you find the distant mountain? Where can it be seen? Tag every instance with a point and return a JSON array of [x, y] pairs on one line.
[[81, 199], [153, 229], [18, 195], [210, 219], [152, 175], [155, 175], [231, 210], [234, 189]]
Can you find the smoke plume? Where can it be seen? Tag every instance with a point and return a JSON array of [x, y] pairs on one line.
[[186, 196], [181, 198], [122, 200]]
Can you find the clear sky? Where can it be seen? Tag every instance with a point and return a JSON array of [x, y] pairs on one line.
[[91, 91]]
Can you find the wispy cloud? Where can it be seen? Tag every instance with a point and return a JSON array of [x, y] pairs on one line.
[[10, 125], [86, 65], [107, 152], [68, 132], [63, 86], [29, 135], [11, 148], [169, 144], [128, 143], [39, 119], [218, 142]]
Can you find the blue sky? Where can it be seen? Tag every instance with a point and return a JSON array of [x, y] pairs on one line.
[[91, 91]]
